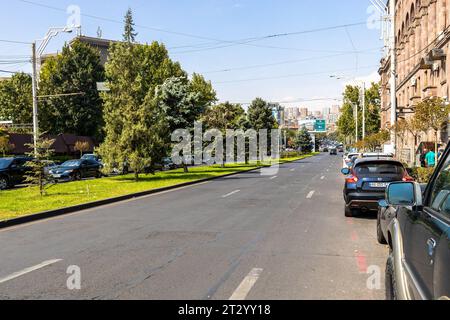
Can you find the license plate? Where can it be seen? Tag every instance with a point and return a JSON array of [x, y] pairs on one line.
[[378, 185]]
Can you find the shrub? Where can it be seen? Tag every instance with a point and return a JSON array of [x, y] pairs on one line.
[[424, 174]]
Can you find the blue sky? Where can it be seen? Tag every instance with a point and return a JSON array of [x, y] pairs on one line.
[[271, 68]]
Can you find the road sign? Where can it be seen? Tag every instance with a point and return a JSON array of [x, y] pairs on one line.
[[320, 126]]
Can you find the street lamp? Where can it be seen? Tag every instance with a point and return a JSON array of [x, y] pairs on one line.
[[36, 59], [362, 101]]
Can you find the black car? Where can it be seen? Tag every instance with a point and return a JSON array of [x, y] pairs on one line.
[[418, 235], [366, 183], [13, 171], [333, 152], [77, 170]]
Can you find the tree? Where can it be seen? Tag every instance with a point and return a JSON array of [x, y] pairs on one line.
[[5, 146], [16, 99], [129, 34], [180, 104], [432, 113], [36, 175], [224, 116], [346, 122], [304, 142], [82, 147], [373, 105], [400, 129], [260, 115], [75, 71], [207, 94], [136, 132]]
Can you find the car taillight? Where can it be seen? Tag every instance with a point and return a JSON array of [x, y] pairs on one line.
[[408, 178], [352, 179]]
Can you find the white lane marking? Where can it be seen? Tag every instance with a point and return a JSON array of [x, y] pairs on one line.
[[292, 170], [322, 178], [28, 270], [246, 285], [274, 177], [310, 195], [231, 193]]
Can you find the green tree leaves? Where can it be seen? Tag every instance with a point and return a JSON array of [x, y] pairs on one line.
[[303, 141], [129, 34], [75, 71], [16, 99]]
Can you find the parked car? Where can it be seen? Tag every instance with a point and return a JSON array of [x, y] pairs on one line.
[[377, 155], [168, 164], [49, 166], [91, 157], [418, 234], [13, 171], [366, 183], [77, 170], [333, 152]]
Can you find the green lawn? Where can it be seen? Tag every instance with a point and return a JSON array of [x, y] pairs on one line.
[[26, 201]]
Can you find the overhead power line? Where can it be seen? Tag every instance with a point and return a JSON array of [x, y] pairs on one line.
[[247, 41], [14, 41], [292, 75]]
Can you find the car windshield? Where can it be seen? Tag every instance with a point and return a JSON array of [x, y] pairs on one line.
[[5, 163], [379, 168], [71, 163]]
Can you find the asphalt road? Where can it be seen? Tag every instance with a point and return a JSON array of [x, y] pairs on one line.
[[249, 236]]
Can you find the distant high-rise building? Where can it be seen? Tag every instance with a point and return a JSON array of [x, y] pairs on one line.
[[304, 112]]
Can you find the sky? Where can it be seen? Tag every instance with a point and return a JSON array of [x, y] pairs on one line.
[[280, 50]]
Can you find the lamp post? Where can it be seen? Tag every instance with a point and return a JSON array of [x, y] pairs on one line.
[[362, 99], [36, 60]]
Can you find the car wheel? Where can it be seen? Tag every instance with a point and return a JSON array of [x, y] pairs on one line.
[[348, 212], [391, 285], [3, 183], [380, 237], [76, 176]]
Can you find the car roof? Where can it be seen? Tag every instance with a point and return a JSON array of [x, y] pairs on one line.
[[377, 159]]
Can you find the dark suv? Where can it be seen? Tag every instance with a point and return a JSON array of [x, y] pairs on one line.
[[418, 234], [366, 183], [12, 171]]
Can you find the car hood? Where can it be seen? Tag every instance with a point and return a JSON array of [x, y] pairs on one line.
[[60, 169]]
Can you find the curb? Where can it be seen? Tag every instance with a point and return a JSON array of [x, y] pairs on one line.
[[60, 212]]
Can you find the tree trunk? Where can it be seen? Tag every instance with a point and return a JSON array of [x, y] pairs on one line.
[[436, 147], [136, 176], [185, 168]]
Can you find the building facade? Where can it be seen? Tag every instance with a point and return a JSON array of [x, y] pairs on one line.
[[422, 44]]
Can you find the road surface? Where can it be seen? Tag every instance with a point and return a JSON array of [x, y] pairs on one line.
[[248, 236]]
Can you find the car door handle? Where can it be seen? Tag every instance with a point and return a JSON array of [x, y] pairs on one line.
[[431, 243]]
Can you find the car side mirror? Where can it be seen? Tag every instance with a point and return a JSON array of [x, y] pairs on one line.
[[383, 204], [346, 171], [404, 194]]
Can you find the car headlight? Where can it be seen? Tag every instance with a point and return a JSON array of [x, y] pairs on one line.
[[68, 171]]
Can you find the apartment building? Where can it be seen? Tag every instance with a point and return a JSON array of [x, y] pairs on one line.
[[422, 44]]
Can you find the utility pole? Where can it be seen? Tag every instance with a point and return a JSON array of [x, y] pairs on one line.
[[364, 110], [393, 68], [35, 99]]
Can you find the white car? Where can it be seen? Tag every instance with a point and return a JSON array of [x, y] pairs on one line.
[[377, 155], [348, 159]]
